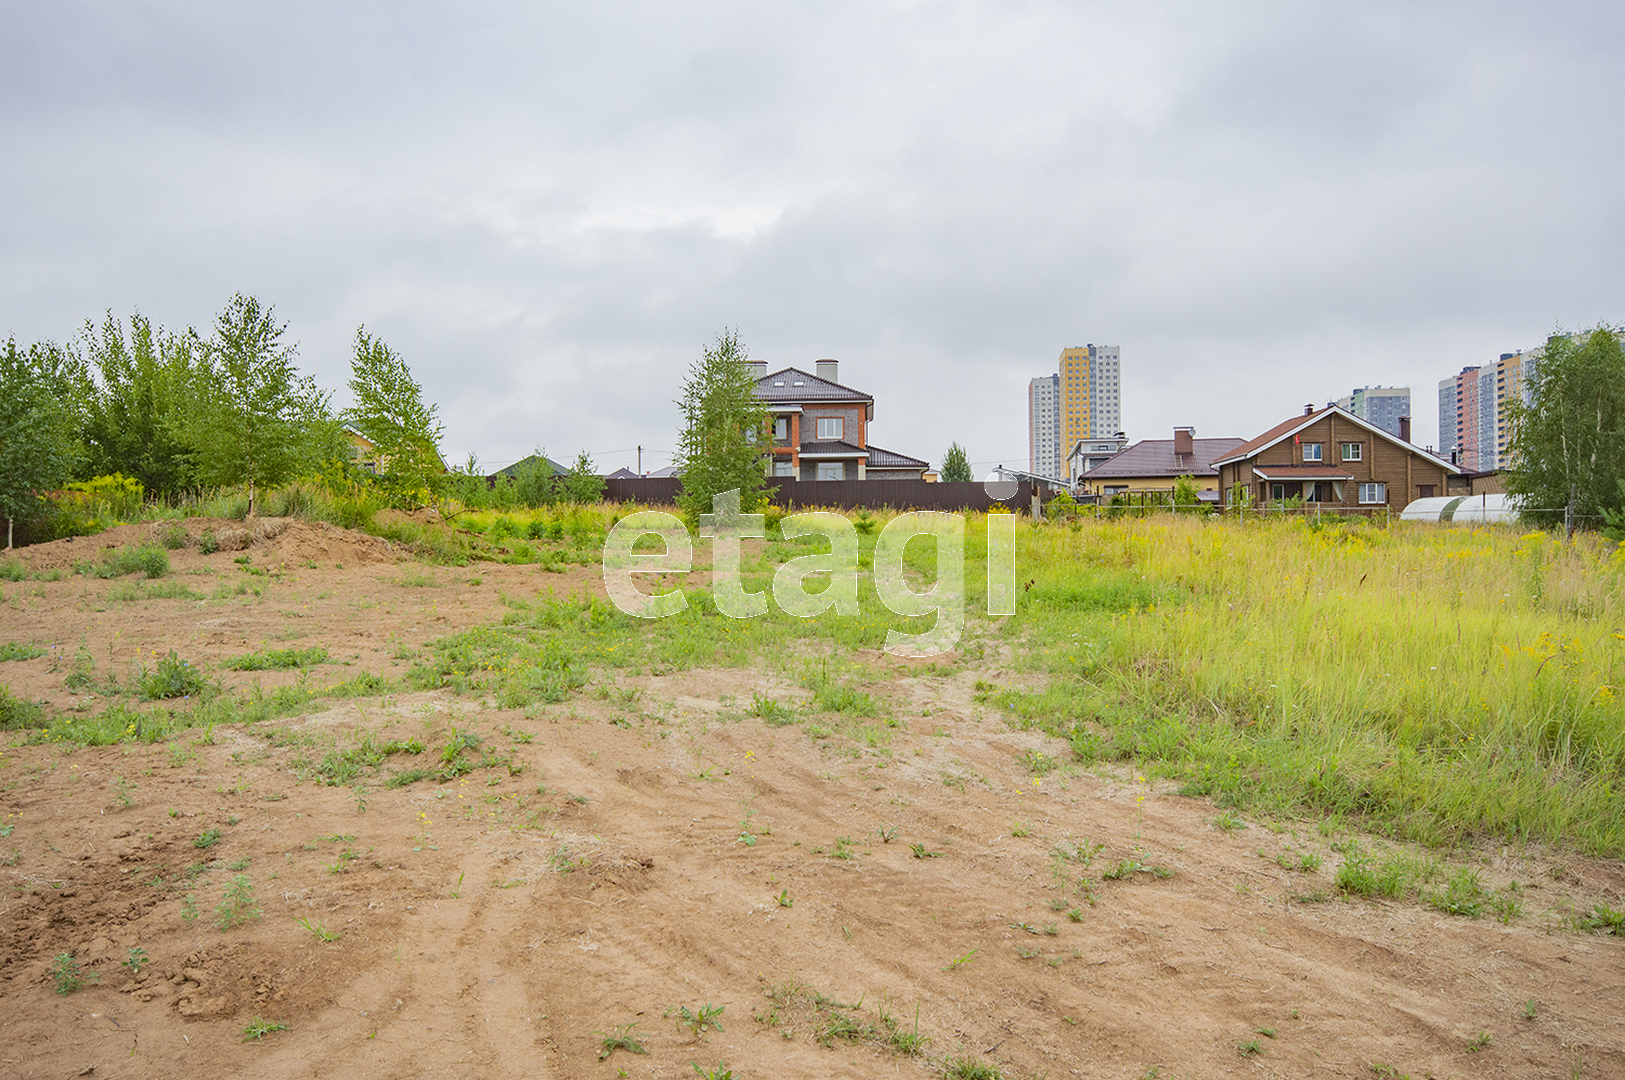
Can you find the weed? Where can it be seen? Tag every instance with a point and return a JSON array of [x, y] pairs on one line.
[[135, 960], [189, 907], [843, 848], [257, 1029], [1229, 821], [207, 839], [697, 1023], [968, 1068], [1021, 829], [721, 1072], [69, 976], [208, 543], [920, 852], [16, 650], [277, 659], [1479, 1042], [323, 934], [1248, 1048], [124, 787], [1388, 1072], [16, 713], [959, 962], [1606, 919], [172, 678], [237, 905], [621, 1039], [785, 899], [1306, 863], [1529, 1010], [770, 712], [1038, 763], [1463, 895]]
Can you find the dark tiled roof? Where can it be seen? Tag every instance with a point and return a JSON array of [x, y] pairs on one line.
[[842, 449], [1156, 457], [891, 459], [812, 388], [623, 473]]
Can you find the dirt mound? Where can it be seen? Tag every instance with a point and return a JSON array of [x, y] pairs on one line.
[[280, 539]]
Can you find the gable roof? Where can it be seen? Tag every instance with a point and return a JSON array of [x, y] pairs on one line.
[[1156, 457], [1288, 428], [513, 470], [891, 459], [792, 385]]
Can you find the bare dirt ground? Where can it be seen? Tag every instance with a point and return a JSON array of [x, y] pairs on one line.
[[644, 847]]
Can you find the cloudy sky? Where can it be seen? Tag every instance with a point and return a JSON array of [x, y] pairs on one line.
[[548, 210]]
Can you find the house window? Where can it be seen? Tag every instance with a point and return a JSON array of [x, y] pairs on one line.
[[783, 468], [831, 470], [781, 428], [1424, 491], [1351, 451], [831, 429], [1373, 493], [1311, 451], [1278, 492]]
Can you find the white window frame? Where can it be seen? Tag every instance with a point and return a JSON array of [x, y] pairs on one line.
[[1373, 494], [838, 468], [783, 468], [1358, 449], [781, 428], [1277, 491], [1312, 451], [831, 429]]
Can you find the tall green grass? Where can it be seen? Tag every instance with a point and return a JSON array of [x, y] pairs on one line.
[[1435, 683]]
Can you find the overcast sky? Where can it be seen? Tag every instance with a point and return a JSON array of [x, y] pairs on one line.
[[548, 210]]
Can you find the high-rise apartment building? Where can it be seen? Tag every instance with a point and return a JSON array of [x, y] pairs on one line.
[[1044, 426], [1090, 405], [1473, 410], [1380, 406]]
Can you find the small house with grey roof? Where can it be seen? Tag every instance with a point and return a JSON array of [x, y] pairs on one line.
[[821, 427], [1155, 465]]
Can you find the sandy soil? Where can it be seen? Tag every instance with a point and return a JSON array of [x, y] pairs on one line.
[[644, 847]]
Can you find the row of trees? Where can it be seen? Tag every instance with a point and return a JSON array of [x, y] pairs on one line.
[[180, 411]]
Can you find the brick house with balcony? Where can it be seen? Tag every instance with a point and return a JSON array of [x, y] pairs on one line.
[[821, 428], [1335, 461]]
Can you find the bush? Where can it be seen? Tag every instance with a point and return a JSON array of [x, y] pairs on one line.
[[149, 559], [172, 678], [16, 713]]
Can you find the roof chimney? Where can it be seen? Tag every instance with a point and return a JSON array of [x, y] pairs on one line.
[[1184, 441], [1404, 429], [828, 370], [1308, 410]]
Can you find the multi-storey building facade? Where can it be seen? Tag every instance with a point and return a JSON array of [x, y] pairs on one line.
[[1473, 410], [821, 427], [1379, 405], [1044, 426], [1090, 402]]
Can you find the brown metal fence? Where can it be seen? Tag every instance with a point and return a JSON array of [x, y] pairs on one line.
[[840, 494]]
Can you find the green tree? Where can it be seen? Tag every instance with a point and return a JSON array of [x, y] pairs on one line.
[[253, 414], [37, 444], [582, 484], [1568, 441], [955, 465], [533, 482], [725, 433], [389, 410], [135, 417]]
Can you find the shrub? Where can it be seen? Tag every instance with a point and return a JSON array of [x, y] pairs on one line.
[[172, 678]]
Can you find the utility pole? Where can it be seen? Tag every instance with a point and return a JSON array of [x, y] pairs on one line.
[[640, 461]]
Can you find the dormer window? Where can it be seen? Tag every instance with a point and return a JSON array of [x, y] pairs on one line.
[[779, 383], [798, 382]]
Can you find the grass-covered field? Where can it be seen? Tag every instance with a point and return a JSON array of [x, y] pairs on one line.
[[1434, 683]]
